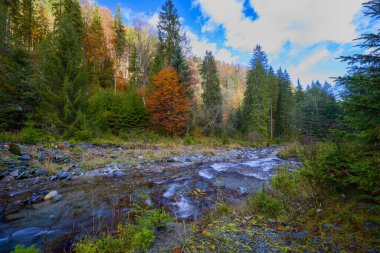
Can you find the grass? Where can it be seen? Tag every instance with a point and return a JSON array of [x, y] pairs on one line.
[[293, 150]]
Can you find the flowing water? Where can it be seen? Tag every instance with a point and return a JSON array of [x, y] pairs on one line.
[[94, 203]]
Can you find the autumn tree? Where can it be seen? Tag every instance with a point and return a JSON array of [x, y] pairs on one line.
[[168, 104]]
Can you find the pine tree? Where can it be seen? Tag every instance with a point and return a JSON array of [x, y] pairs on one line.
[[256, 97], [212, 94], [120, 42]]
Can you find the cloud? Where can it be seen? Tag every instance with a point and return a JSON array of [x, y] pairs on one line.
[[304, 22], [153, 20], [200, 46], [126, 13], [313, 59]]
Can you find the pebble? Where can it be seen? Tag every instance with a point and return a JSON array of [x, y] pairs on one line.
[[57, 198], [36, 180], [14, 173], [41, 172], [21, 175], [25, 157], [8, 179], [63, 175], [50, 195], [42, 156]]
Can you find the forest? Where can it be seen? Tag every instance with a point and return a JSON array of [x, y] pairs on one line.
[[72, 72]]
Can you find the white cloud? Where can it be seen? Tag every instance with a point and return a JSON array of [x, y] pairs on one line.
[[304, 22], [153, 20], [126, 12], [200, 46], [307, 70], [313, 59]]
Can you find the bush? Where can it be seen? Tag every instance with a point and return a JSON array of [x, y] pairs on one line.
[[291, 151], [122, 112], [23, 249], [31, 135], [265, 204]]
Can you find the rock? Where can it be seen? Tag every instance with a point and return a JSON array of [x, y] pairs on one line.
[[57, 198], [63, 175], [25, 157], [41, 172], [119, 173], [21, 175], [8, 179], [319, 210], [328, 225], [50, 195], [4, 173], [60, 159], [53, 178], [343, 196], [69, 178], [14, 149], [42, 156], [14, 173], [297, 235], [141, 157], [36, 197], [24, 164], [242, 190], [36, 180]]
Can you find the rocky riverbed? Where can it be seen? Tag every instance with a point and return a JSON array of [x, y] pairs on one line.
[[54, 193]]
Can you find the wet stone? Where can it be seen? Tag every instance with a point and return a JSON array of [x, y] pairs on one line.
[[25, 157], [41, 172], [57, 198], [63, 175], [14, 173], [42, 156]]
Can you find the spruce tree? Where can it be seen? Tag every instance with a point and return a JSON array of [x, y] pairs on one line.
[[170, 40], [362, 84], [273, 94], [212, 94], [284, 117], [256, 102], [120, 42], [63, 73]]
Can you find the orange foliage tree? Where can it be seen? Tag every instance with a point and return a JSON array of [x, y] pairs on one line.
[[167, 103]]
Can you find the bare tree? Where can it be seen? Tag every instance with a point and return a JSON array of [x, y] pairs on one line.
[[145, 48]]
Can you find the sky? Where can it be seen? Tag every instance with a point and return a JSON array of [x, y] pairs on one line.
[[303, 36]]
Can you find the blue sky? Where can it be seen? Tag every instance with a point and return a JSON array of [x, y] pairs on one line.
[[303, 36]]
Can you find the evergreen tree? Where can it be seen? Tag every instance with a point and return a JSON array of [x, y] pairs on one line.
[[273, 94], [120, 41], [169, 31], [212, 94], [362, 84], [169, 27], [299, 95], [285, 104], [256, 97], [64, 75]]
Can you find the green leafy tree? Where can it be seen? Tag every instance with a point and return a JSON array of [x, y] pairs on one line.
[[212, 94]]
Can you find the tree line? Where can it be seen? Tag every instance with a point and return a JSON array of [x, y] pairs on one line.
[[75, 69]]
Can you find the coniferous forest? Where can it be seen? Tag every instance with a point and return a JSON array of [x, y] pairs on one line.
[[173, 152]]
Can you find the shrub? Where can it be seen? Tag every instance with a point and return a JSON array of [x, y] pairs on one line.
[[23, 249], [31, 135], [291, 151], [264, 203], [122, 112]]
